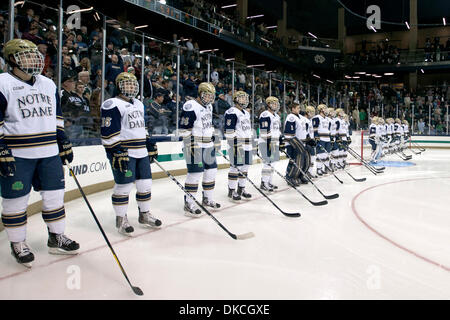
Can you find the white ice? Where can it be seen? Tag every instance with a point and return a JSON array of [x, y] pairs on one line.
[[386, 238]]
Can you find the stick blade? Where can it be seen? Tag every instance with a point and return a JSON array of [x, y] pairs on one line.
[[137, 291], [292, 215], [245, 236], [320, 203], [360, 180], [333, 196]]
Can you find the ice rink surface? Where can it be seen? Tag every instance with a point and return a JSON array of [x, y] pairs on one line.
[[385, 238]]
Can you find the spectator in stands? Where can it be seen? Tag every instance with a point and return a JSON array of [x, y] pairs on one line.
[[83, 76], [112, 70], [157, 116]]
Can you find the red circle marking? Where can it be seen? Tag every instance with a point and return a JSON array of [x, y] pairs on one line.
[[446, 268]]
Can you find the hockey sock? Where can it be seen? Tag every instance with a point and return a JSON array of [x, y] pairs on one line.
[[143, 194], [14, 218]]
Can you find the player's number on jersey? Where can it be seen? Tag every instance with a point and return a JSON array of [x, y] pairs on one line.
[[106, 122], [184, 121]]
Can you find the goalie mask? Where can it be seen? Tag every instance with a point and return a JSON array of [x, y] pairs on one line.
[[206, 93], [273, 103], [127, 85], [26, 55], [241, 99]]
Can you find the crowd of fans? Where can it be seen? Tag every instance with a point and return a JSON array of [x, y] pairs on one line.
[[425, 104], [81, 79], [382, 53]]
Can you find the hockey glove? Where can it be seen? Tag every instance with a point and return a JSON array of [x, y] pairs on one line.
[[282, 144], [311, 142], [65, 150], [7, 162], [349, 140], [152, 149], [120, 159]]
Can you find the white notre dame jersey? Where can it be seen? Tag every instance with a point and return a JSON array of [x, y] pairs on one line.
[[405, 128], [238, 125], [310, 130], [342, 129], [389, 128], [123, 123], [296, 126], [374, 131], [269, 127], [333, 126], [321, 127], [30, 115], [196, 121], [398, 129], [382, 129]]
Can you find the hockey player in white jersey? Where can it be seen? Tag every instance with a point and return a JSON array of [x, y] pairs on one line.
[[321, 125], [296, 136], [238, 132], [130, 152], [389, 134], [406, 135], [383, 135], [341, 138], [398, 133], [311, 144], [200, 145], [334, 129], [269, 141], [33, 149], [375, 139]]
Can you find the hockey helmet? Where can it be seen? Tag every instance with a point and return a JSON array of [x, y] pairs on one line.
[[405, 122], [322, 108], [241, 98], [331, 112], [273, 103], [340, 112], [375, 120], [206, 93], [398, 121], [26, 55], [310, 110], [127, 84]]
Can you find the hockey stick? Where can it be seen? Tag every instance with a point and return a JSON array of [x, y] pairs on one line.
[[418, 146], [333, 196], [236, 237], [329, 169], [356, 179], [366, 165], [320, 203], [136, 290], [358, 157], [400, 156], [291, 215]]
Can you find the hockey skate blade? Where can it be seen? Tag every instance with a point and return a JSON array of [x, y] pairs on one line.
[[62, 252], [244, 236]]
